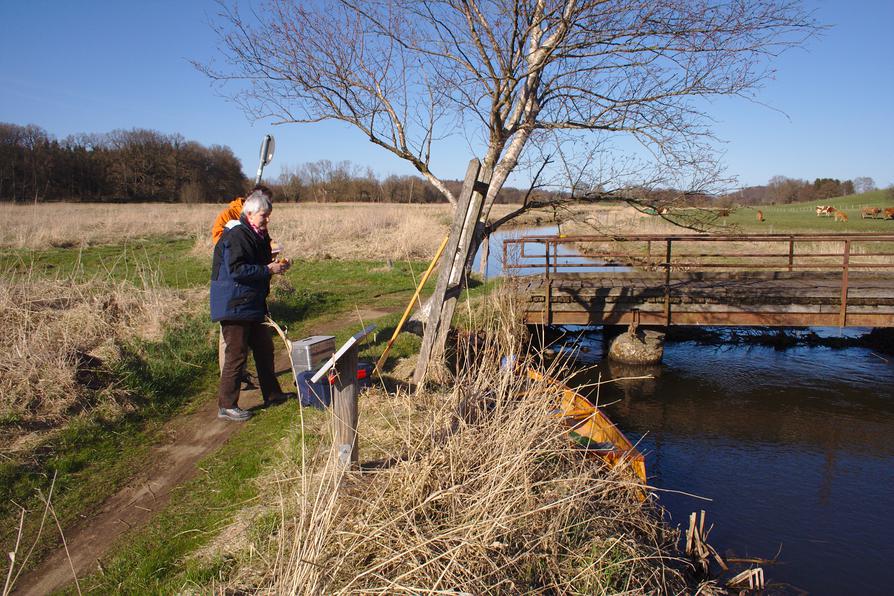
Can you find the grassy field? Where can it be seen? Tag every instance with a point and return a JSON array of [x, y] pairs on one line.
[[801, 217], [108, 327], [119, 341]]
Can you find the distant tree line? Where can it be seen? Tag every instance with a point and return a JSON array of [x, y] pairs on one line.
[[325, 181], [146, 165], [123, 165], [782, 190]]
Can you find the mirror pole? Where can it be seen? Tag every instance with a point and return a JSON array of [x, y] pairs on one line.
[[266, 156]]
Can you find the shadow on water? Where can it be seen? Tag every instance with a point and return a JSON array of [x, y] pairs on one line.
[[793, 444]]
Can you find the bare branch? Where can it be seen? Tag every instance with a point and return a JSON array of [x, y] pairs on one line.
[[409, 73]]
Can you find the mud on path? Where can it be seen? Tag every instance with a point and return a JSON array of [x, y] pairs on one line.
[[169, 465]]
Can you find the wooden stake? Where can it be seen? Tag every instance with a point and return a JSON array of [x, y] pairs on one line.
[[344, 409]]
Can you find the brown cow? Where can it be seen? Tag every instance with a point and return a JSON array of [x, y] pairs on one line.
[[840, 215], [760, 215], [872, 212], [889, 213]]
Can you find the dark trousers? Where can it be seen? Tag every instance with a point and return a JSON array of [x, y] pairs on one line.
[[239, 337]]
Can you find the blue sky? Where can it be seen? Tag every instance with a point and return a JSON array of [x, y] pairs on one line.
[[95, 66]]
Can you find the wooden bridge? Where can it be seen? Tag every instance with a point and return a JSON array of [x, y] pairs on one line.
[[783, 280]]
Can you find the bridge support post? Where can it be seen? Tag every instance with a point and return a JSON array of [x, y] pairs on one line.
[[637, 346]]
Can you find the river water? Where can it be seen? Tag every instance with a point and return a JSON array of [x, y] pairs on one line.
[[793, 450]]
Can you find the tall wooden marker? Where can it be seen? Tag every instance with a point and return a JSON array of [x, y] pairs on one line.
[[443, 301], [344, 400]]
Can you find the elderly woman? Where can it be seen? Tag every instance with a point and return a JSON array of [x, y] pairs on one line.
[[240, 281]]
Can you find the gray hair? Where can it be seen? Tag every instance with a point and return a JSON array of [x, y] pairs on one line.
[[257, 201]]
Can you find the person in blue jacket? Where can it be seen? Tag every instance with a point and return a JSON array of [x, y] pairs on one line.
[[240, 281]]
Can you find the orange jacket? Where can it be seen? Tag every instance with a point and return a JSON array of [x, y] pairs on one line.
[[233, 211]]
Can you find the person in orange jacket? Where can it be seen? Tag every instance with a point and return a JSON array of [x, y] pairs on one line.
[[229, 215]]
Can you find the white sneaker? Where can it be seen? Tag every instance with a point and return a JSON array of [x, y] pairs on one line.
[[237, 414]]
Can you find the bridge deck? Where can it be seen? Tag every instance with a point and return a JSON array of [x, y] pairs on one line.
[[799, 298]]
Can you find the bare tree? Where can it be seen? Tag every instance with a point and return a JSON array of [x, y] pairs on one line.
[[863, 184], [527, 82], [510, 74]]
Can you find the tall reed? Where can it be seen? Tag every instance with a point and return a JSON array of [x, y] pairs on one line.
[[476, 490]]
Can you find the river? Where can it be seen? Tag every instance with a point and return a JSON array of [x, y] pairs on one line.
[[793, 448]]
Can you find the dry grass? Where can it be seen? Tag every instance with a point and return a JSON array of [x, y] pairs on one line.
[[471, 489], [307, 230], [341, 231], [355, 230], [74, 224], [60, 337]]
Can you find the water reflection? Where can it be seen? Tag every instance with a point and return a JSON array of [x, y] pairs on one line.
[[794, 447], [534, 253]]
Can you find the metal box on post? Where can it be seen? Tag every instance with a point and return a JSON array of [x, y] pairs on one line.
[[311, 353]]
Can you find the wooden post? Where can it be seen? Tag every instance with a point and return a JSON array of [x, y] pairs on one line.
[[791, 254], [443, 301], [842, 316], [344, 410], [667, 280], [344, 400]]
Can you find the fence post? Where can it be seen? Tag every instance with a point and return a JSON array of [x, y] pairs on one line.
[[842, 317], [667, 278], [344, 410], [791, 253]]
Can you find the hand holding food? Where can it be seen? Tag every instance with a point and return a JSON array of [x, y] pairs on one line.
[[279, 265]]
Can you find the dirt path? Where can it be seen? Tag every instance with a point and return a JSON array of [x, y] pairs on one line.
[[172, 463]]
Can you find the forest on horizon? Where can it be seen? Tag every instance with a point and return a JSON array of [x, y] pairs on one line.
[[141, 165]]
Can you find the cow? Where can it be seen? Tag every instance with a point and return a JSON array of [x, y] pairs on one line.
[[825, 210], [760, 215], [840, 215], [872, 212], [889, 213]]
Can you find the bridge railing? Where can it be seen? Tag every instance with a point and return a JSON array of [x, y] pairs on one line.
[[553, 255], [557, 256]]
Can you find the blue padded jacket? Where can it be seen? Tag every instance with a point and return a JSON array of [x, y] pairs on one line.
[[240, 280]]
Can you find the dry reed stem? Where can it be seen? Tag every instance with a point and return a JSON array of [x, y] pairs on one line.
[[13, 556]]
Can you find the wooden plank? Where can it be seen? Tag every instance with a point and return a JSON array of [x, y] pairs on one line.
[[444, 275], [452, 269]]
